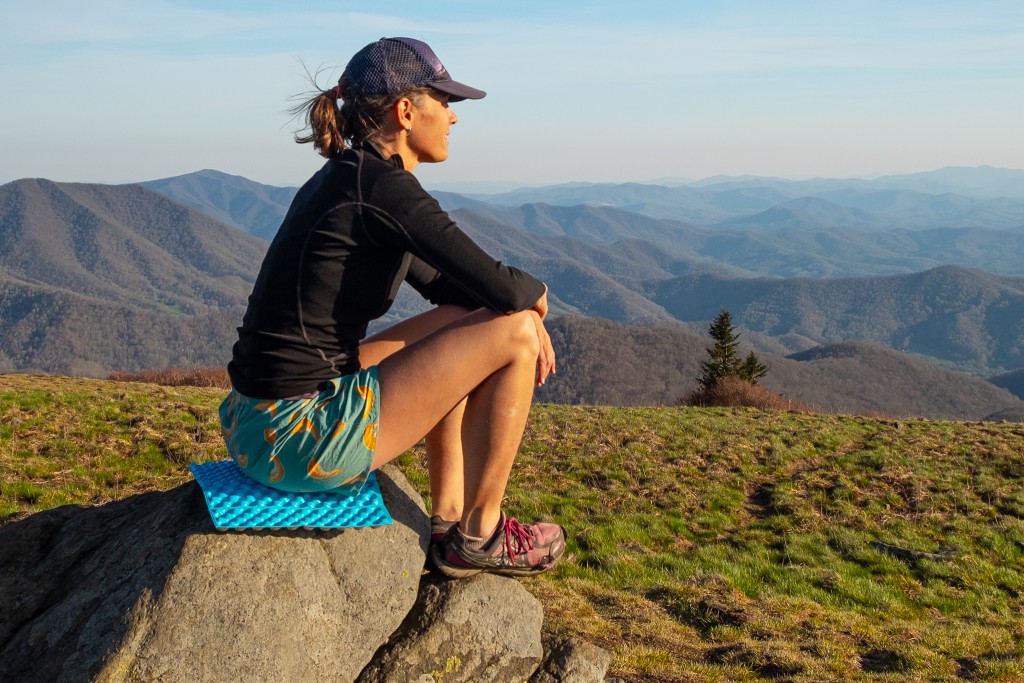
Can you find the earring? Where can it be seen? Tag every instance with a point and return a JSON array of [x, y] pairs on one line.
[[408, 131]]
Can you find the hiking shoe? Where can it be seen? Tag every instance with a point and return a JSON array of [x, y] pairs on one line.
[[438, 529], [515, 549]]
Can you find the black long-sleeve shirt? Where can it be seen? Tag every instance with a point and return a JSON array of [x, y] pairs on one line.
[[358, 228]]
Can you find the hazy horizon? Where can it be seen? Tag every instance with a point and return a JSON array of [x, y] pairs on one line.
[[502, 185]]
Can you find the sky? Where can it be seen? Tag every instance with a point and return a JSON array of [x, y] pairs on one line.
[[115, 91]]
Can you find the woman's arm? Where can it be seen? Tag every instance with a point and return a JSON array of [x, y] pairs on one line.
[[415, 222]]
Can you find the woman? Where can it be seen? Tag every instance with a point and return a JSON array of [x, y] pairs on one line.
[[311, 407]]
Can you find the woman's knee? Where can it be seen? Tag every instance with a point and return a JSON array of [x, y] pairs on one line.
[[523, 334]]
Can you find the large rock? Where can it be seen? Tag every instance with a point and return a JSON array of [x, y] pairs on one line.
[[477, 630], [146, 588], [571, 660]]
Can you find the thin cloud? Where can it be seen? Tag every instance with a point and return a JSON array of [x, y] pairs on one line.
[[729, 87], [114, 23]]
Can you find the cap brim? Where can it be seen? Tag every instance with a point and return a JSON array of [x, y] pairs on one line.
[[458, 91]]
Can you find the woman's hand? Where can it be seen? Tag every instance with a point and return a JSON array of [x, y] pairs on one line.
[[542, 304], [546, 358]]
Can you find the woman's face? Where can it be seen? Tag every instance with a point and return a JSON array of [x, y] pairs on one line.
[[429, 137]]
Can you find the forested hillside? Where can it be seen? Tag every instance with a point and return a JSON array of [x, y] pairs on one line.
[[253, 207], [836, 228], [123, 243], [964, 318], [61, 332], [606, 363], [99, 278], [1011, 381], [96, 277], [602, 260]]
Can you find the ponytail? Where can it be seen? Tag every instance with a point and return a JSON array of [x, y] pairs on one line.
[[325, 123], [358, 119]]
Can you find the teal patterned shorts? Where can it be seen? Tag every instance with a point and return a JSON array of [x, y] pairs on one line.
[[317, 442]]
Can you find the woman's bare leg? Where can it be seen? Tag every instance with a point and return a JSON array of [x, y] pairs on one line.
[[445, 464], [490, 361], [496, 415], [376, 348], [444, 442]]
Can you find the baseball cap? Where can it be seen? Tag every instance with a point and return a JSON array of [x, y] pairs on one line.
[[391, 66]]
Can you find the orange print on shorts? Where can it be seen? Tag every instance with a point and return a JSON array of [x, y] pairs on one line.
[[267, 407], [306, 425], [367, 394], [277, 473], [370, 436], [317, 473]]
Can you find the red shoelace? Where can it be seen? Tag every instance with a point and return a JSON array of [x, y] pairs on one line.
[[521, 535]]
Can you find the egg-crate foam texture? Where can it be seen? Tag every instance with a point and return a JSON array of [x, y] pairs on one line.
[[237, 502]]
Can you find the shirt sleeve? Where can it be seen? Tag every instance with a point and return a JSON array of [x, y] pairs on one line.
[[436, 288], [415, 222]]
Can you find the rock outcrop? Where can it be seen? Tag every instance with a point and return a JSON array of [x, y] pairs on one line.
[[571, 660], [146, 589], [485, 630]]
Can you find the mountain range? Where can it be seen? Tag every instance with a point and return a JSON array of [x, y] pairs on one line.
[[754, 226], [104, 264], [951, 197], [95, 277], [601, 361], [124, 244], [249, 206]]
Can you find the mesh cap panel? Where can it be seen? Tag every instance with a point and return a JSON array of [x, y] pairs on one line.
[[392, 66]]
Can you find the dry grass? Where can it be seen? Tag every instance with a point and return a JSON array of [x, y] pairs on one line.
[[706, 544], [733, 392], [177, 377]]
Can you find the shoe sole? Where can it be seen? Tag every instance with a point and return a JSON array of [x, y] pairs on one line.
[[437, 562], [457, 572]]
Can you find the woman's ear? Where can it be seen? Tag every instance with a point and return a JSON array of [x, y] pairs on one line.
[[404, 112]]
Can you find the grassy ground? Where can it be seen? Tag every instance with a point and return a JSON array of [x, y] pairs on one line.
[[706, 544]]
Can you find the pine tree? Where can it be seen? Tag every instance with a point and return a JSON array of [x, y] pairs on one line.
[[752, 369], [722, 360]]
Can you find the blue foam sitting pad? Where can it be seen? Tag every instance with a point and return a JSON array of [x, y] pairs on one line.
[[237, 502]]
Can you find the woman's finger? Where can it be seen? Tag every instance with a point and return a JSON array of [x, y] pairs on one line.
[[546, 357]]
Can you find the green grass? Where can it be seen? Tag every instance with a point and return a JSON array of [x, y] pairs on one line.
[[705, 544], [65, 441]]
